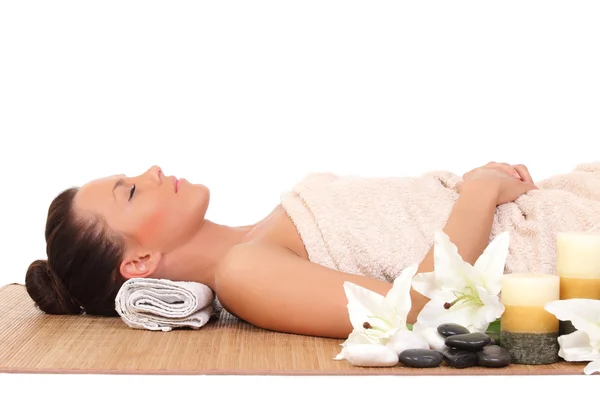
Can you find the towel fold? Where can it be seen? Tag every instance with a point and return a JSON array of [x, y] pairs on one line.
[[161, 304]]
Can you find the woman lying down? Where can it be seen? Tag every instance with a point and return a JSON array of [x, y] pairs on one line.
[[287, 271]]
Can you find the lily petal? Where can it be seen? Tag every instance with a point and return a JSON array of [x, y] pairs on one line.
[[358, 337], [592, 329], [341, 355], [355, 337], [433, 313], [404, 340], [584, 314], [425, 283], [431, 335], [492, 261], [592, 367], [370, 355], [492, 308], [469, 317], [362, 303], [465, 314], [585, 308], [399, 294], [576, 347], [447, 261]]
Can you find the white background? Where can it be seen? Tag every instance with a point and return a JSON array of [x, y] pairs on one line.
[[248, 96]]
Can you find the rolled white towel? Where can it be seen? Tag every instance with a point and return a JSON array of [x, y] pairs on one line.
[[161, 304]]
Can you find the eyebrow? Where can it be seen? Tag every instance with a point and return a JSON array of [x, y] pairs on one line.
[[119, 183]]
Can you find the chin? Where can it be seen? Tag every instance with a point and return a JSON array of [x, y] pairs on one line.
[[203, 191], [201, 198]]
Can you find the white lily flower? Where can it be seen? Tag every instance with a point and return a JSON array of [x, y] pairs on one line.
[[431, 336], [379, 321], [584, 343], [405, 340], [459, 292]]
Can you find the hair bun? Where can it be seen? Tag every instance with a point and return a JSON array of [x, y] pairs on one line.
[[48, 293]]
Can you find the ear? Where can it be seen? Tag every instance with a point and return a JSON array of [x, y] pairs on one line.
[[140, 264]]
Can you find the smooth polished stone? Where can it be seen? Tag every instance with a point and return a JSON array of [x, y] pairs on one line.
[[493, 356], [468, 341], [451, 329], [421, 358], [460, 358], [370, 355]]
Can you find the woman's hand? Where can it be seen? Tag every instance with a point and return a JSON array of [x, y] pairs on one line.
[[504, 181]]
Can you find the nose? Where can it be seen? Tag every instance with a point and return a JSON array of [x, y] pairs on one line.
[[154, 173]]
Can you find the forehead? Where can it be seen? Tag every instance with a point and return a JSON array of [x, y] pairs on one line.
[[97, 195]]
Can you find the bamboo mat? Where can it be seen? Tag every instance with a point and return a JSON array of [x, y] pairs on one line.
[[34, 342]]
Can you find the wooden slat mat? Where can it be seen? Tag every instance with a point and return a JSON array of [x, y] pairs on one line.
[[34, 342]]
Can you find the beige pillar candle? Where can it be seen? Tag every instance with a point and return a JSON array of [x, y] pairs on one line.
[[527, 330], [578, 265]]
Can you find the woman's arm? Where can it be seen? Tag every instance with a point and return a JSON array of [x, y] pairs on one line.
[[272, 288], [470, 222], [468, 227]]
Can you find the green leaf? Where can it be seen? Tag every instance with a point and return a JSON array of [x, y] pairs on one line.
[[493, 330], [494, 327]]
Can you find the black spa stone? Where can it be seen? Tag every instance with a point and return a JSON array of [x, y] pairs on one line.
[[493, 356], [421, 358], [451, 329], [459, 358], [469, 341]]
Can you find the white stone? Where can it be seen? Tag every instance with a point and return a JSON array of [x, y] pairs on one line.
[[371, 355]]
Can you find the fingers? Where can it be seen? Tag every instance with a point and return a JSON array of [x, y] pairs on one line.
[[518, 171], [523, 172], [509, 169]]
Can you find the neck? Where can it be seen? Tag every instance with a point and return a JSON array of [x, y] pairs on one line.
[[197, 259]]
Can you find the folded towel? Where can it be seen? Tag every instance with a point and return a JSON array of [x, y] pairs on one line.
[[378, 226], [161, 304]]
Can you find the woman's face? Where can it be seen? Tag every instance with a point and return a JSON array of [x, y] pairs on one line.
[[155, 211]]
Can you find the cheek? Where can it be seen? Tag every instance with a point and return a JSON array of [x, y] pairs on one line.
[[152, 227]]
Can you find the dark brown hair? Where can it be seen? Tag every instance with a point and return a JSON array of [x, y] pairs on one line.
[[81, 273]]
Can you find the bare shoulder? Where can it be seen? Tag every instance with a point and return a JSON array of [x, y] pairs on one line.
[[273, 288], [246, 263], [242, 281], [248, 253]]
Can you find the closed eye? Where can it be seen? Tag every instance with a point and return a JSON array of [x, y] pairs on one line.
[[131, 192]]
